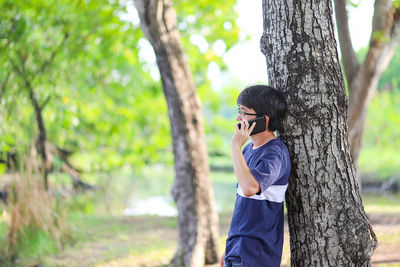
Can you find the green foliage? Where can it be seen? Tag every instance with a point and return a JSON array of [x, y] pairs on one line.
[[34, 218], [36, 243], [381, 136], [82, 203], [390, 79], [396, 3], [380, 36], [208, 30], [354, 3], [219, 123], [85, 58], [378, 204], [361, 54]]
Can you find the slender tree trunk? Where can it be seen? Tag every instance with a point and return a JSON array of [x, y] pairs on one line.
[[41, 140], [363, 78], [327, 222], [41, 143], [192, 190]]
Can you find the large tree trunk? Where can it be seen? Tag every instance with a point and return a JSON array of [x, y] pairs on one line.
[[192, 190], [327, 222], [363, 79]]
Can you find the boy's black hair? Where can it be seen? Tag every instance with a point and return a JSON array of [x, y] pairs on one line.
[[265, 100]]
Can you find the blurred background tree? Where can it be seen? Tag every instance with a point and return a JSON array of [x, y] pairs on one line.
[[363, 77]]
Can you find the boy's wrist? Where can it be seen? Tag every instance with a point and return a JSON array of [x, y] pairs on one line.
[[235, 147]]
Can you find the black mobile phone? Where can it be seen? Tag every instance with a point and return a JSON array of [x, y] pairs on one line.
[[260, 125]]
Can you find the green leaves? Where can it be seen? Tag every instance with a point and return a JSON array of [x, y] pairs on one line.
[[69, 51], [382, 137], [379, 36], [85, 57], [390, 79], [396, 4], [208, 30]]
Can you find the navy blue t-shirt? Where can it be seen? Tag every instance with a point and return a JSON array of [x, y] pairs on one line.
[[256, 232]]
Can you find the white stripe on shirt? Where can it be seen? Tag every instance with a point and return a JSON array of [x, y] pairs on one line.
[[274, 193]]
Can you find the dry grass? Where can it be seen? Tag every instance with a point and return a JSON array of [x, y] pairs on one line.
[[32, 208]]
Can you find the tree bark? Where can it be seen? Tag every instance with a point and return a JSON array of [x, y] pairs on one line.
[[350, 62], [362, 79], [192, 190], [327, 222]]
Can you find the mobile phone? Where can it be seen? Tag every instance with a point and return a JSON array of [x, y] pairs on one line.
[[260, 125]]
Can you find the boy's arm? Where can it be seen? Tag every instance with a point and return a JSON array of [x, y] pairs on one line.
[[246, 180], [222, 260]]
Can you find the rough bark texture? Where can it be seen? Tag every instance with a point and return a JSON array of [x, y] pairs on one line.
[[192, 190], [363, 78], [327, 223]]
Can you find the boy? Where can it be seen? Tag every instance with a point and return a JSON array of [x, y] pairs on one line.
[[262, 170]]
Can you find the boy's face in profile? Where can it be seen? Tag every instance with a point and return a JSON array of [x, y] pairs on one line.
[[249, 114], [245, 113]]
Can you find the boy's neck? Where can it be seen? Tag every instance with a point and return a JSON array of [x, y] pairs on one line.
[[262, 138]]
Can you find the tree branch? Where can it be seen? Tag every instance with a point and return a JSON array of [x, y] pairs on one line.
[[45, 102], [53, 54], [350, 63], [20, 72], [385, 36], [3, 85]]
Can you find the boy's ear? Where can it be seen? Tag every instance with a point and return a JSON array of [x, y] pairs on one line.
[[266, 121]]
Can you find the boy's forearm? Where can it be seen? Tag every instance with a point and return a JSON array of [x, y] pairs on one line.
[[245, 179]]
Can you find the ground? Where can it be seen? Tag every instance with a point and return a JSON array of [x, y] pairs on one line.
[[151, 241]]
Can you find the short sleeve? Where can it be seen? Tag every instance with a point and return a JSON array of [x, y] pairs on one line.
[[267, 170]]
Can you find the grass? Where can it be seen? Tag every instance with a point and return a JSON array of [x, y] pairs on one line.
[[378, 204], [137, 241], [34, 244], [34, 222], [108, 239], [389, 238], [101, 240]]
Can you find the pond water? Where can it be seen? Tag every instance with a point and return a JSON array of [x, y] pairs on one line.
[[157, 205], [149, 194]]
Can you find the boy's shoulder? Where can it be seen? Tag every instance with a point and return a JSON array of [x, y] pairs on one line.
[[275, 147], [274, 144]]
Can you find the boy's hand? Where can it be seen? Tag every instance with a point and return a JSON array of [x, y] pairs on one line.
[[222, 260], [241, 135]]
